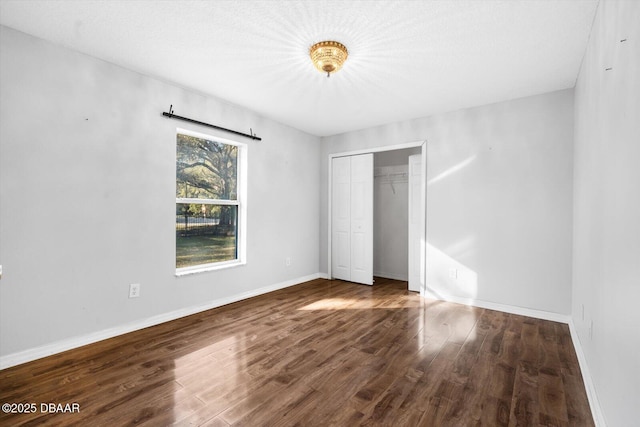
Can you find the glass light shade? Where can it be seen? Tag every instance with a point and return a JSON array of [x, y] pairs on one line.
[[328, 56]]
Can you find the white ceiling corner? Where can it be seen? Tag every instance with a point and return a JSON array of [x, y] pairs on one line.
[[407, 59]]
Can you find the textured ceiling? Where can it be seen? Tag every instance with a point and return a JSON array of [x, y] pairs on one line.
[[407, 59]]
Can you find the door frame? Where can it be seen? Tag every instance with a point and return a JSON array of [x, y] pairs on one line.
[[423, 201]]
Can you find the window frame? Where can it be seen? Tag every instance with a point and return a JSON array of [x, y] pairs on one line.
[[240, 203]]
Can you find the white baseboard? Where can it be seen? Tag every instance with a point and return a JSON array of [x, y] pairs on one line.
[[594, 403], [522, 311], [25, 356]]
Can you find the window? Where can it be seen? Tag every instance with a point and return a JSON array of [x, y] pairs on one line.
[[210, 217]]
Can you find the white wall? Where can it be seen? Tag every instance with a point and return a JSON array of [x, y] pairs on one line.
[[606, 252], [499, 198], [87, 193]]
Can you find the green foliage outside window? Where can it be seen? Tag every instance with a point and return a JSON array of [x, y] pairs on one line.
[[205, 231]]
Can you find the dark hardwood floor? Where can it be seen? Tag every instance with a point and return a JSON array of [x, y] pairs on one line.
[[317, 354]]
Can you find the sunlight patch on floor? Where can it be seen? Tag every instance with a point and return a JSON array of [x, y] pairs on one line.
[[357, 304]]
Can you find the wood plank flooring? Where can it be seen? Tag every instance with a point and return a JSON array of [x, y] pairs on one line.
[[317, 354]]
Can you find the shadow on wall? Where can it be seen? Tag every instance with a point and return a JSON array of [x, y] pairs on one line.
[[446, 275]]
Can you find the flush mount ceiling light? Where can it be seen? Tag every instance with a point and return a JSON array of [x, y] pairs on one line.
[[328, 56]]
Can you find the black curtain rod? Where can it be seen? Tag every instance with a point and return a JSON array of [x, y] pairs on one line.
[[186, 119]]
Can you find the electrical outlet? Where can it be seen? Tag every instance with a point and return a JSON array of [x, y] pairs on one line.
[[287, 261], [583, 312], [453, 273], [134, 290], [0, 272]]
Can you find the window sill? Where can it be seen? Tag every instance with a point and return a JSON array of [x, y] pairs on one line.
[[185, 271]]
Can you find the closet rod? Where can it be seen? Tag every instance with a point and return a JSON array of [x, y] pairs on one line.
[[186, 119]]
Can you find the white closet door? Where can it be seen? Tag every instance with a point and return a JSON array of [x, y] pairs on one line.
[[415, 189], [341, 218], [362, 219], [352, 218]]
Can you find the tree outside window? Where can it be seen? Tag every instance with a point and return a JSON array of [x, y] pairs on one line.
[[207, 201]]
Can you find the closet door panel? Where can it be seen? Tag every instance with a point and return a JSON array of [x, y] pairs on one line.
[[352, 218], [362, 219], [415, 189], [341, 218]]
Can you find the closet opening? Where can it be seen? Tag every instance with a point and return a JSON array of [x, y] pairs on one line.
[[391, 192], [377, 215]]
